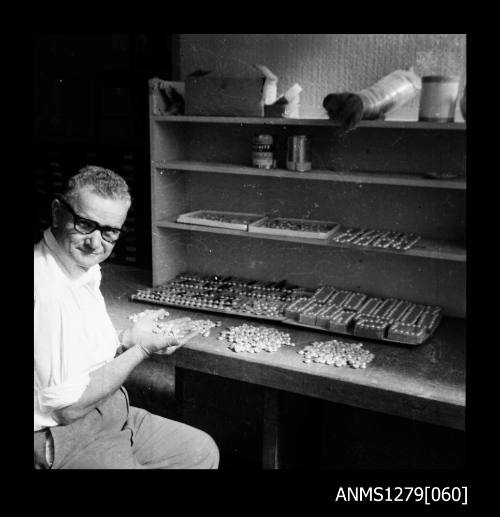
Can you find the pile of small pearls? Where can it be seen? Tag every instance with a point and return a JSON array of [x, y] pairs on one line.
[[161, 313], [176, 328], [337, 353], [183, 326], [247, 338]]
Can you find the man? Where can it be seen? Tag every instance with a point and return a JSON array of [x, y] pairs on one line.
[[82, 417]]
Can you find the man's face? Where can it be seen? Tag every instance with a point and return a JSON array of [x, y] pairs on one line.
[[87, 250]]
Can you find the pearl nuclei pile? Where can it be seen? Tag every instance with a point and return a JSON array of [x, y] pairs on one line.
[[176, 328], [253, 339]]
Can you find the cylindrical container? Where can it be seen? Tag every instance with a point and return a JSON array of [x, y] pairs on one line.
[[298, 154], [389, 93], [263, 152], [438, 99]]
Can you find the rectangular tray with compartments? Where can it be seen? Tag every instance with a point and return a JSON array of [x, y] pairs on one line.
[[295, 227], [221, 219]]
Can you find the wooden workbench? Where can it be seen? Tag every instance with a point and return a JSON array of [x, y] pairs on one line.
[[424, 383]]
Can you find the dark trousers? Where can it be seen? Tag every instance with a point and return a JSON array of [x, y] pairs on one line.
[[116, 435]]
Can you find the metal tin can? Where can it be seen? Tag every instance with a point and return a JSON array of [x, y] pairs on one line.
[[438, 98], [298, 157], [263, 152]]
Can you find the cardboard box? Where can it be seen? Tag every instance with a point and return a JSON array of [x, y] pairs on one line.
[[220, 96], [161, 102]]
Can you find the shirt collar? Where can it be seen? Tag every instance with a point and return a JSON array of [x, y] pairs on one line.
[[91, 276]]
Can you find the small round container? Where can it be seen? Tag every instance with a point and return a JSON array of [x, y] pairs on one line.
[[438, 98], [263, 152], [298, 156]]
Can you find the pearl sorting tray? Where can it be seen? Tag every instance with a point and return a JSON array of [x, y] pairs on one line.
[[409, 341], [327, 309], [227, 312], [237, 220], [260, 227]]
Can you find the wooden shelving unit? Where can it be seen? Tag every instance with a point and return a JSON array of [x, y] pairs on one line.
[[377, 176]]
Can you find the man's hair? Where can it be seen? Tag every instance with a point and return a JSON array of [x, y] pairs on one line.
[[103, 182]]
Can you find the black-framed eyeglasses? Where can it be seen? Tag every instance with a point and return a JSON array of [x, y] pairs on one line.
[[87, 226]]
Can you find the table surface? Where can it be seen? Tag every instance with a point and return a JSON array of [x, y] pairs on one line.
[[425, 382]]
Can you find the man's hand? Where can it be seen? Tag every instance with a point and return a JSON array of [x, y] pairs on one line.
[[141, 334], [170, 349]]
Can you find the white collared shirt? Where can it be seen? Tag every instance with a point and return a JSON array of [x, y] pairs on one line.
[[73, 334]]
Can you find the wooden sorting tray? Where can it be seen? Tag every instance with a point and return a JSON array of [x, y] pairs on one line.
[[259, 227], [289, 321], [196, 217], [286, 320], [427, 335], [228, 312]]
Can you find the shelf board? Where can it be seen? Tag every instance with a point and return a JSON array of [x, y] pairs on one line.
[[425, 248], [408, 180], [382, 124]]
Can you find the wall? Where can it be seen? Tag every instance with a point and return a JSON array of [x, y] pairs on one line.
[[324, 63], [91, 107]]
